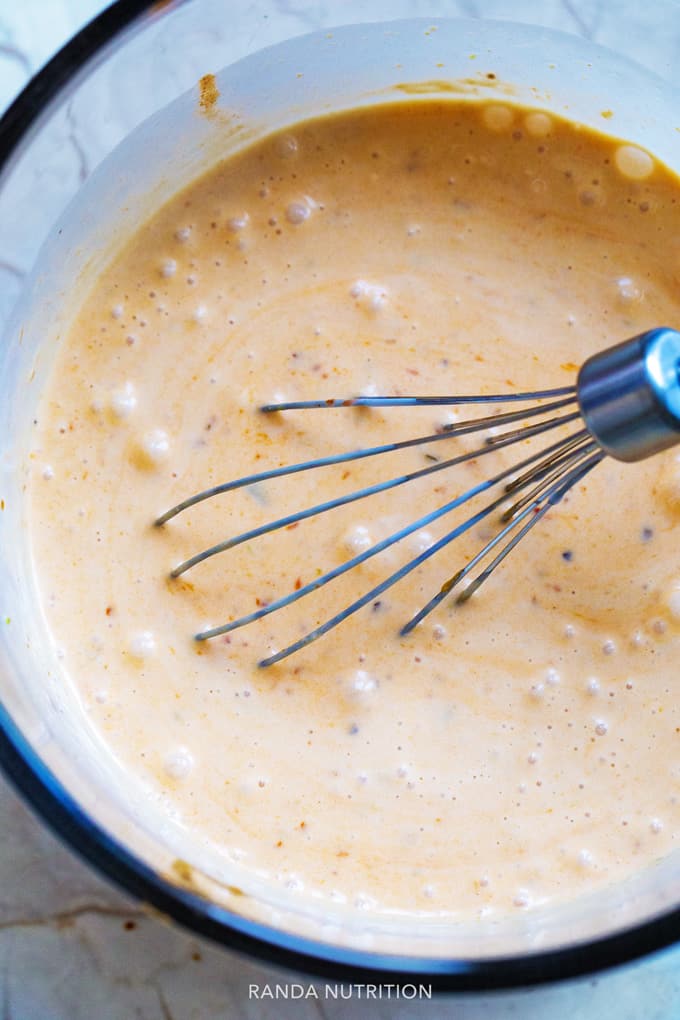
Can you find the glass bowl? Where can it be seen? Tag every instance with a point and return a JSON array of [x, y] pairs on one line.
[[105, 132]]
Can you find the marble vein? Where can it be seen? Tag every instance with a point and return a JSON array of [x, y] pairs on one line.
[[4, 985], [321, 1009], [17, 55], [586, 27], [9, 267], [64, 918], [163, 1003], [84, 168], [469, 8], [299, 11]]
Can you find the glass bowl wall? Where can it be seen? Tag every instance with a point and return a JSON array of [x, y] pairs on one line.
[[76, 172]]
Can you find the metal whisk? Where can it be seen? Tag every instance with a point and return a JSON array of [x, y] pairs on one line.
[[626, 403]]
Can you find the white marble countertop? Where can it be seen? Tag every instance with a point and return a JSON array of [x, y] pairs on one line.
[[74, 948]]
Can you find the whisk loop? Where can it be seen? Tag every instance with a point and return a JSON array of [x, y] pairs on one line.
[[626, 399]]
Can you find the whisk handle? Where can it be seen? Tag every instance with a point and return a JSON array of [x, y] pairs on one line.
[[629, 395]]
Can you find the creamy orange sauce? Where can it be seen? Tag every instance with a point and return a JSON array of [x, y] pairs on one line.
[[519, 749]]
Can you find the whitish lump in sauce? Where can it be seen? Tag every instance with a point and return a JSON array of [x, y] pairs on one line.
[[519, 749]]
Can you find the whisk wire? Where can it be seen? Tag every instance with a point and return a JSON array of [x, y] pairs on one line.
[[461, 399], [535, 511], [342, 568], [546, 472], [363, 493], [378, 547], [406, 568], [464, 428], [627, 398], [535, 472], [446, 432], [554, 496]]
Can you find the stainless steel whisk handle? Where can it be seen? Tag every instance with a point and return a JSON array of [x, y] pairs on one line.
[[629, 395]]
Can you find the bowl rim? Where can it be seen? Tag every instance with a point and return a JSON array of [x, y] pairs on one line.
[[39, 786]]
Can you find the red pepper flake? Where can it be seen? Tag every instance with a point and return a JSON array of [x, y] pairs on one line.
[[109, 610], [280, 843], [291, 527], [298, 584], [413, 371], [263, 603], [302, 825], [177, 584]]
